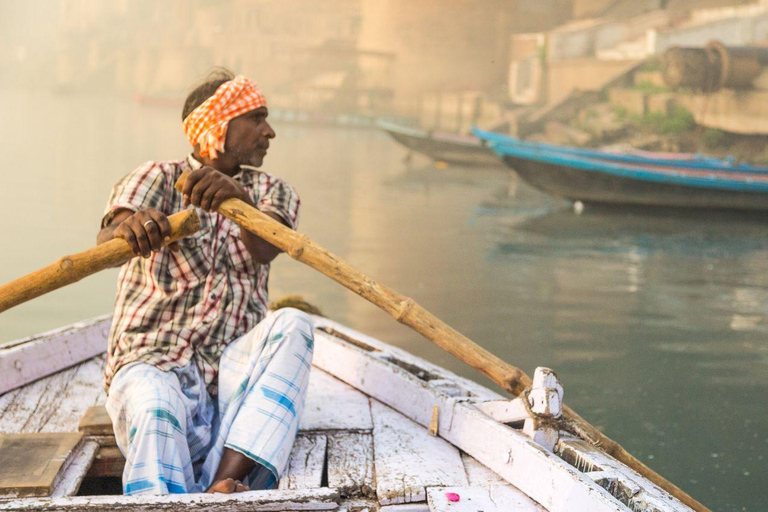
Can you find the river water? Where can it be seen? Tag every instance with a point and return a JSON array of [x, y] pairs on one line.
[[656, 322]]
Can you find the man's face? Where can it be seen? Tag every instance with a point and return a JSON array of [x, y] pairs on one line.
[[248, 138]]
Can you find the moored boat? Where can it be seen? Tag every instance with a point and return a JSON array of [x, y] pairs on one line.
[[443, 146], [500, 142], [382, 430], [595, 180]]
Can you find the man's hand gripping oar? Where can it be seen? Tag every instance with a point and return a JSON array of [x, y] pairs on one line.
[[70, 269], [408, 312]]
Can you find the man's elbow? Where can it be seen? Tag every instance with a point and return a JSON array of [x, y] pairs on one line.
[[265, 255]]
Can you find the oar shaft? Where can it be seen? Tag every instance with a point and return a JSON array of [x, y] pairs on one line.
[[70, 269], [405, 310]]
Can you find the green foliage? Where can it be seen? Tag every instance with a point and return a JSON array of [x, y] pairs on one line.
[[679, 120], [714, 139], [621, 113], [650, 88], [651, 65]]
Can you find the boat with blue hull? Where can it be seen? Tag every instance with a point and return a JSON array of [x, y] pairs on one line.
[[632, 156], [595, 180]]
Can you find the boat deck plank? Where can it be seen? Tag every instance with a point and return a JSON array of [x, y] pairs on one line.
[[500, 490], [408, 459], [334, 405], [350, 463], [256, 501], [54, 403], [76, 471], [306, 463], [26, 360]]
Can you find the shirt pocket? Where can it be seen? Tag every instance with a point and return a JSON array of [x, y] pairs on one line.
[[239, 260], [192, 262]]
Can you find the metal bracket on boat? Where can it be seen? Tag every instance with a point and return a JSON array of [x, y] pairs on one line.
[[539, 408]]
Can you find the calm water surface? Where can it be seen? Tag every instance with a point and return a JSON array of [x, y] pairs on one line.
[[656, 323]]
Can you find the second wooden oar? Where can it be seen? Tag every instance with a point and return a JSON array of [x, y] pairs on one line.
[[406, 311], [70, 269]]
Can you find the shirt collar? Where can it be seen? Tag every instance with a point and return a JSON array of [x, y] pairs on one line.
[[244, 175]]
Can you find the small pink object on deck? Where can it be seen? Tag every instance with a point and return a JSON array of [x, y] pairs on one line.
[[452, 496]]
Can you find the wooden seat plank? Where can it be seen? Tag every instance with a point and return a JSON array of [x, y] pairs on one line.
[[350, 463], [333, 405], [96, 422], [408, 459], [306, 463], [32, 464]]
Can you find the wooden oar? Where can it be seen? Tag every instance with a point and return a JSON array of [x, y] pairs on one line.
[[406, 311], [70, 269]]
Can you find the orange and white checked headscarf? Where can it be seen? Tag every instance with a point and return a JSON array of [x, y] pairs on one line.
[[207, 124]]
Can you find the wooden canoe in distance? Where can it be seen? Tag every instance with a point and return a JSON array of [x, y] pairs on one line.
[[628, 155], [382, 430], [598, 181], [443, 146]]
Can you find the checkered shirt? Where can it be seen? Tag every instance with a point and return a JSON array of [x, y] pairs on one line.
[[174, 305]]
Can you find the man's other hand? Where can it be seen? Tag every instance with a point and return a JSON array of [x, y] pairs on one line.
[[207, 188], [146, 231]]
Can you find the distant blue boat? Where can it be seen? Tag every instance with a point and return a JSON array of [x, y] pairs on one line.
[[685, 160], [605, 178]]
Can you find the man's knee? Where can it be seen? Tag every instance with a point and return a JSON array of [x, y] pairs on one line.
[[147, 399], [289, 320]]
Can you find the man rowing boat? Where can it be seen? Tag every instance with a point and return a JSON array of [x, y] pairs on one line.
[[205, 387]]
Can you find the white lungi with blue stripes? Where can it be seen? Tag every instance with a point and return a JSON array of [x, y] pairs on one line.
[[173, 434]]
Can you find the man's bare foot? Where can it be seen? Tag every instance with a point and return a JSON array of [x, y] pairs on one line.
[[228, 486]]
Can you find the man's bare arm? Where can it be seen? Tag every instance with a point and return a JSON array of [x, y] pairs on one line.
[[261, 250]]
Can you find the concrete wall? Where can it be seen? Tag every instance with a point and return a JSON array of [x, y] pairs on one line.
[[586, 38], [583, 75], [744, 112], [733, 32]]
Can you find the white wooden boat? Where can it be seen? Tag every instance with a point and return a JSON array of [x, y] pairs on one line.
[[364, 443]]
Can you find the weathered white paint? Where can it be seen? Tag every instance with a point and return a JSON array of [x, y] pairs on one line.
[[305, 465], [500, 491], [55, 403], [440, 374], [253, 501], [627, 485], [505, 411], [544, 477], [333, 405], [407, 507], [350, 463], [76, 470], [473, 499], [546, 396], [408, 459], [359, 506], [545, 399], [32, 358]]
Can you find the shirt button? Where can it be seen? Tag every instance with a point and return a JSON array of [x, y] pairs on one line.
[[213, 296]]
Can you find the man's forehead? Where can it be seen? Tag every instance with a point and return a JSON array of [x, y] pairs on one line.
[[256, 111]]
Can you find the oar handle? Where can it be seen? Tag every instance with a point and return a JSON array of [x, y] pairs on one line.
[[407, 311], [70, 269]]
